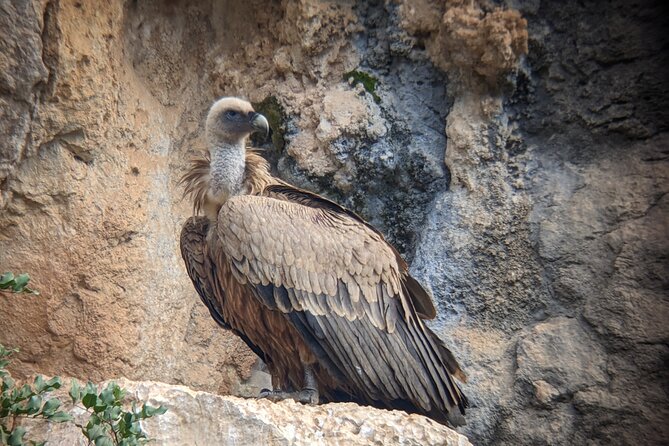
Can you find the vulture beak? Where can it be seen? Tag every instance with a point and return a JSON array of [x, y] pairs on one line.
[[259, 124]]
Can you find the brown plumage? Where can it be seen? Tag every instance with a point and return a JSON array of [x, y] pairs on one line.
[[314, 290]]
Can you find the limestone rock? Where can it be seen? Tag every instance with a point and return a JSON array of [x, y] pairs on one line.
[[545, 393], [469, 38], [561, 352], [203, 419], [20, 35]]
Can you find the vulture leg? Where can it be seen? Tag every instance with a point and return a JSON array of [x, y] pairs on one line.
[[308, 394]]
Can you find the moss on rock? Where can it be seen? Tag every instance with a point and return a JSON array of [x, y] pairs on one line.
[[368, 82]]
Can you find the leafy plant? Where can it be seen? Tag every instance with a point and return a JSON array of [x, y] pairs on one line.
[[15, 284], [109, 424], [26, 401]]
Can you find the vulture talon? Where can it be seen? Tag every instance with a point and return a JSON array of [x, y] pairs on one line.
[[304, 396], [274, 395], [264, 393], [308, 396]]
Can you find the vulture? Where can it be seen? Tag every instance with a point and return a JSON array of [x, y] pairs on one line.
[[315, 291]]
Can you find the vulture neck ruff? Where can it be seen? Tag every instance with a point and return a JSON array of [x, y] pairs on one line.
[[228, 163], [198, 178]]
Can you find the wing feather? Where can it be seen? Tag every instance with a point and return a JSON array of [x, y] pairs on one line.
[[192, 240], [347, 292], [193, 250], [321, 241]]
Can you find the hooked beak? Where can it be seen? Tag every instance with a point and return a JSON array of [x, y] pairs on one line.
[[259, 124]]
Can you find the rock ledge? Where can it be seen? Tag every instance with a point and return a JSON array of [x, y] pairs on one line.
[[201, 418]]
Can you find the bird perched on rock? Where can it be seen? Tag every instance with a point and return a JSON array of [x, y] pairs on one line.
[[312, 289]]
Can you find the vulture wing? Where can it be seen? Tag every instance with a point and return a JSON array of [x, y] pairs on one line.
[[193, 246], [193, 236], [420, 298], [347, 292]]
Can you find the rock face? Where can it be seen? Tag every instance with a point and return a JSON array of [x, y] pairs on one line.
[[515, 152], [203, 419]]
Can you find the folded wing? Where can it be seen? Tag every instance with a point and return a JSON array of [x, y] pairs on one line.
[[347, 292]]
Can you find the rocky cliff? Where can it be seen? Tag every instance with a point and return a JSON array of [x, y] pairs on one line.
[[514, 151]]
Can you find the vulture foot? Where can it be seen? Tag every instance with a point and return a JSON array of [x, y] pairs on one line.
[[304, 396], [308, 394]]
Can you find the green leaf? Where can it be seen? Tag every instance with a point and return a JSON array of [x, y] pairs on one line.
[[90, 388], [135, 428], [94, 431], [93, 419], [107, 396], [149, 411], [60, 417], [25, 392], [5, 352], [112, 413], [104, 441], [126, 421], [54, 383], [39, 384], [20, 282], [18, 409], [50, 407], [89, 400], [16, 438], [34, 404], [115, 413], [119, 393], [5, 279], [7, 383], [75, 391]]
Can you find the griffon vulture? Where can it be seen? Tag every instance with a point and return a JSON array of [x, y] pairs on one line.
[[312, 289]]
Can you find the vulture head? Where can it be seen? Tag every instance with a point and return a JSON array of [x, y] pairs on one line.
[[231, 120]]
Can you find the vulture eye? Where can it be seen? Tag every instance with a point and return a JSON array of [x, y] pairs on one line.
[[231, 114]]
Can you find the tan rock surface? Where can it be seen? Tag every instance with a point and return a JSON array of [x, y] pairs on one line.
[[474, 40], [93, 191], [203, 419]]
